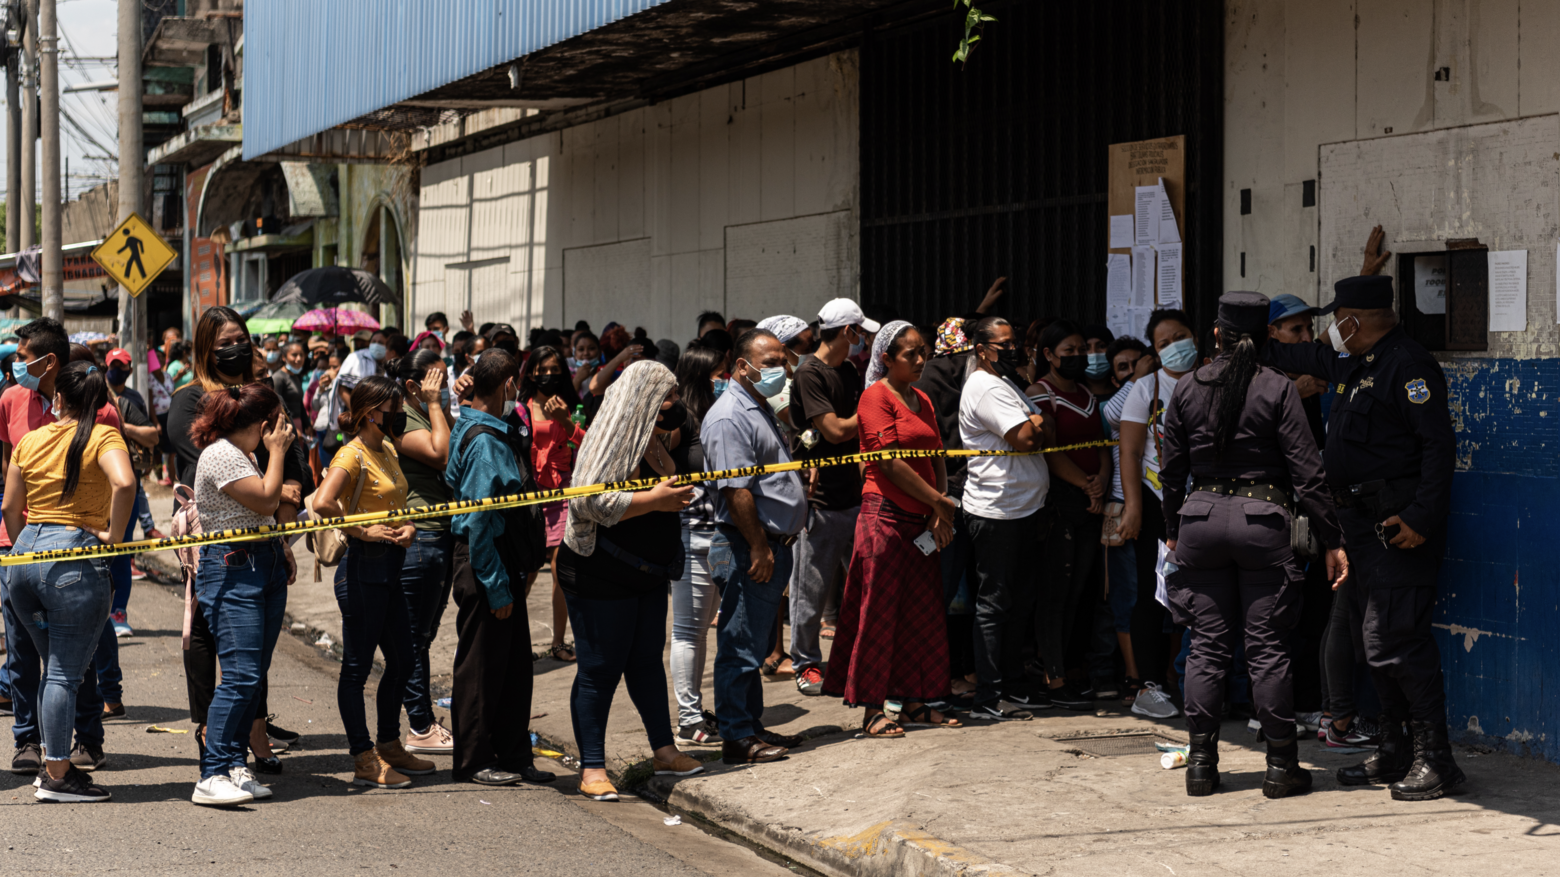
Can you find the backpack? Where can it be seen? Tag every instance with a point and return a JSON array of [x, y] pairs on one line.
[[186, 522]]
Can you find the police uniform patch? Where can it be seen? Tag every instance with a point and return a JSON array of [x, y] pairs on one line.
[[1418, 393]]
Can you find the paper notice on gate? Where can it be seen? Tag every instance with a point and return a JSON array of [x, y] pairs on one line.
[[1121, 232], [1142, 277], [1168, 233], [1430, 284], [1118, 281], [1146, 206], [1169, 275]]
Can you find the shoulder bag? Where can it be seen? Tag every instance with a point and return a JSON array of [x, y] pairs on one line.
[[329, 545]]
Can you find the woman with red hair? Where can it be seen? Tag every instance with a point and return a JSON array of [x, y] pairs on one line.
[[241, 586]]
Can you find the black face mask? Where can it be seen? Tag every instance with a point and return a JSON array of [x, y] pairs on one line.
[[511, 345], [551, 385], [1073, 368], [1008, 363], [394, 423], [235, 359], [673, 417]]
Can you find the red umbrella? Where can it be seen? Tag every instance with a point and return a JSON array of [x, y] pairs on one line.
[[335, 321]]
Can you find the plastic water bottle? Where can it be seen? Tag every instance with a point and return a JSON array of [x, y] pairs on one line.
[[578, 419]]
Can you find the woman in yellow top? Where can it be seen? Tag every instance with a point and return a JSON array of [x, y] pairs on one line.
[[71, 483], [374, 613]]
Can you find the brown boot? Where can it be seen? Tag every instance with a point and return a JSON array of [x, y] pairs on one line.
[[368, 769], [397, 757]]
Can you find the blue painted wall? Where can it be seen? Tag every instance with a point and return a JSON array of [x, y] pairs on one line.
[[1498, 617]]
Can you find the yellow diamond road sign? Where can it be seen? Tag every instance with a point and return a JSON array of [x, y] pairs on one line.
[[134, 254]]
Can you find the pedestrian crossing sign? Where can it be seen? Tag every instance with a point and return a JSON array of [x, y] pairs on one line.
[[134, 254]]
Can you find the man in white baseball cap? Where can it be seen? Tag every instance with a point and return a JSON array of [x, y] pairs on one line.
[[844, 312]]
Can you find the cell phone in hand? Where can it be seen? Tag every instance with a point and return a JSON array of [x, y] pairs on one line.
[[926, 542]]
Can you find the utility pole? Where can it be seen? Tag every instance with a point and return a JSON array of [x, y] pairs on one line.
[[49, 135], [29, 163], [13, 128], [132, 165]]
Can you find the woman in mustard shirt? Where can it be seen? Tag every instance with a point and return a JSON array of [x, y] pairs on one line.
[[70, 483], [374, 613]]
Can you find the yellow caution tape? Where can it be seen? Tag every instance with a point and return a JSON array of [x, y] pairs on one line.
[[499, 503]]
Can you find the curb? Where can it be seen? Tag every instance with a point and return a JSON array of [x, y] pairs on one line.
[[892, 848]]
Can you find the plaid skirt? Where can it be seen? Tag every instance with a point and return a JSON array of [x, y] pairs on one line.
[[891, 642]]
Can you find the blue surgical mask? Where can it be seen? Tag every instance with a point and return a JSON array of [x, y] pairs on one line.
[[770, 381], [859, 344], [1099, 366], [295, 369], [272, 356], [378, 351], [444, 398], [720, 386], [439, 334], [1180, 356], [23, 376]]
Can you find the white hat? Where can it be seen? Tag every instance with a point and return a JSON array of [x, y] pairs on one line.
[[844, 312], [785, 327]]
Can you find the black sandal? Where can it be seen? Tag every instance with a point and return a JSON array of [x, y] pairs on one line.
[[890, 730], [921, 717]]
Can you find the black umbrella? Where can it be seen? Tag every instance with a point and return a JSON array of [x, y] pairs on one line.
[[333, 285]]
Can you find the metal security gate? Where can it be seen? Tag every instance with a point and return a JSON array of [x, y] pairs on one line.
[[1000, 168]]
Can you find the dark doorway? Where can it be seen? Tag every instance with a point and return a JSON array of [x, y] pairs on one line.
[[999, 168]]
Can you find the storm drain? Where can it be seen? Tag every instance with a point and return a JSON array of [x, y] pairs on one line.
[[1106, 746]]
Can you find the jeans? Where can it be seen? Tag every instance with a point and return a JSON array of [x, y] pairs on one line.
[[1121, 563], [141, 514], [822, 559], [1004, 584], [373, 616], [746, 631], [426, 578], [64, 604], [694, 601], [110, 678], [242, 589], [615, 640]]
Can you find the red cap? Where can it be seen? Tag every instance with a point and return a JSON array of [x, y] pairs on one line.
[[120, 354]]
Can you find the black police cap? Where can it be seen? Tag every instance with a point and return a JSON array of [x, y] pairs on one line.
[[1364, 293], [1245, 312]]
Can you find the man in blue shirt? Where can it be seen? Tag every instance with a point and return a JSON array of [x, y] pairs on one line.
[[758, 518], [490, 709]]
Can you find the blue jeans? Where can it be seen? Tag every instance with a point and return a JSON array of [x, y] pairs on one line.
[[242, 589], [746, 630], [110, 678], [617, 640], [426, 577], [373, 616], [142, 512], [1121, 561], [63, 604]]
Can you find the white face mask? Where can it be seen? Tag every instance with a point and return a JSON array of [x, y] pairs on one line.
[[510, 405], [1335, 337]]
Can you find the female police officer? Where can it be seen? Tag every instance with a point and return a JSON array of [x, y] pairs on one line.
[[1237, 448]]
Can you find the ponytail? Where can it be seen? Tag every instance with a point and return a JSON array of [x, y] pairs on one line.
[[83, 389], [1242, 360]]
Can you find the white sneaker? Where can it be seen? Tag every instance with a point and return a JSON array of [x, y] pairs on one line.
[[1154, 703], [244, 778], [1307, 722], [436, 740], [219, 791]]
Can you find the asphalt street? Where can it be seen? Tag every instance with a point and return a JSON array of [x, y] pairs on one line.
[[318, 823]]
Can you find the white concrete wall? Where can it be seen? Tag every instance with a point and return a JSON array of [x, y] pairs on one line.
[[741, 198], [1306, 78]]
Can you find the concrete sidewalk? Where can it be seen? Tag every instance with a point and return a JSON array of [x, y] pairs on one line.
[[1033, 798]]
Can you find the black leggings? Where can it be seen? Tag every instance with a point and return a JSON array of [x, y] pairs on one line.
[[1150, 643]]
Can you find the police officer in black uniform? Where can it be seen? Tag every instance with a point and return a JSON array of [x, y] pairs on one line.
[[1389, 456], [1237, 436]]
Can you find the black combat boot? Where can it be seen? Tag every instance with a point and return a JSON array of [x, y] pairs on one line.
[[1434, 772], [1388, 764], [1285, 776], [1202, 764]]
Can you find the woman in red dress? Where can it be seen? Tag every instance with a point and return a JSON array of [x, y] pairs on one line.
[[892, 643], [546, 390]]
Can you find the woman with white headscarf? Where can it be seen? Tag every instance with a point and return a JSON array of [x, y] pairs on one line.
[[892, 641], [620, 553]]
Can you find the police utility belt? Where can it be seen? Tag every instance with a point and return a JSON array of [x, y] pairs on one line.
[[1276, 492], [1383, 497]]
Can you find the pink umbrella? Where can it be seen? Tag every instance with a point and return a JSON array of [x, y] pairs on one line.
[[335, 321]]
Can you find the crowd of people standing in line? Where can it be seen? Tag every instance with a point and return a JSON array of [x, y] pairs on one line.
[[923, 570]]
